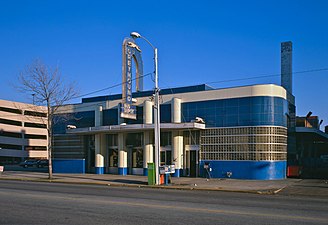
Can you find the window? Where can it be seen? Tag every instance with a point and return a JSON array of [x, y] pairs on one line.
[[113, 157], [166, 138], [137, 158], [79, 119], [110, 117], [245, 143], [247, 111]]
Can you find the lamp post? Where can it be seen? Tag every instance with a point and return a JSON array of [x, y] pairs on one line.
[[156, 108], [33, 95]]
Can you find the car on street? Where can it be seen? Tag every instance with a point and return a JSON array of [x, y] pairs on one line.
[[42, 163], [29, 163]]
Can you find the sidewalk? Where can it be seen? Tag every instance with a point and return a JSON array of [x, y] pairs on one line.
[[185, 183]]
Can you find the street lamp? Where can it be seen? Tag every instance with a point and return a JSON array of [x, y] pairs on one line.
[[156, 108]]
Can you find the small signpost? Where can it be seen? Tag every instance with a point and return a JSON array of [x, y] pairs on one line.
[[165, 172], [166, 169]]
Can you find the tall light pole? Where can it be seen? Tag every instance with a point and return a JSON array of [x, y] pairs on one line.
[[156, 108]]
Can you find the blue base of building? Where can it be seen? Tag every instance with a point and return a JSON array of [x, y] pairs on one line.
[[254, 170], [68, 165], [123, 171], [145, 171], [100, 170], [178, 173]]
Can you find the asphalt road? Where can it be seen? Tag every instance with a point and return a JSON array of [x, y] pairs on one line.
[[52, 203]]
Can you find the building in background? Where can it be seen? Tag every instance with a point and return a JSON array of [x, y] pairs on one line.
[[311, 149], [23, 132]]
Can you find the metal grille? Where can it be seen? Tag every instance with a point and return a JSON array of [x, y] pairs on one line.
[[68, 146]]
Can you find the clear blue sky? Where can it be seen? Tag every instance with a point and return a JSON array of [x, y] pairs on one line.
[[198, 42]]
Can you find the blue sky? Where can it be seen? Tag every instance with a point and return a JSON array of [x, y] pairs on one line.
[[197, 41]]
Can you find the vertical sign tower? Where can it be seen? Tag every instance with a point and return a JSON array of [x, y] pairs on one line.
[[286, 66], [130, 51]]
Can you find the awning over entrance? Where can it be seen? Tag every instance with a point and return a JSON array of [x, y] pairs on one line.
[[135, 127]]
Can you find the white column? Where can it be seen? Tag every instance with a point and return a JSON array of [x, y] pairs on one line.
[[147, 151], [99, 143], [147, 112], [122, 155], [176, 110], [177, 154], [177, 137], [148, 145], [98, 116]]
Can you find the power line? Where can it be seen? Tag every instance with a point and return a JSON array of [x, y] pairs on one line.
[[264, 76], [213, 82], [110, 87]]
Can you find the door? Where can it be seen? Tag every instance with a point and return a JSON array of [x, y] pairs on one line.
[[193, 163]]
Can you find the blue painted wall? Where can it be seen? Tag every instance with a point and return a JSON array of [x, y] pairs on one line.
[[100, 170], [257, 170], [68, 165], [123, 171]]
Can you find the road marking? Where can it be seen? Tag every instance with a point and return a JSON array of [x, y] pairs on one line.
[[220, 211], [66, 197]]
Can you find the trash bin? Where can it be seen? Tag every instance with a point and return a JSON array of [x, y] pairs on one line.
[[162, 178], [151, 173], [293, 171]]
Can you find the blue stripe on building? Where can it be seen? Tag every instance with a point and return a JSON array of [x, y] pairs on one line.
[[259, 170]]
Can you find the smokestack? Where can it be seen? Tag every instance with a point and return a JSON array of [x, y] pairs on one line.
[[286, 66]]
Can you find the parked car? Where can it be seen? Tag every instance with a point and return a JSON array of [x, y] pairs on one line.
[[42, 163], [29, 163]]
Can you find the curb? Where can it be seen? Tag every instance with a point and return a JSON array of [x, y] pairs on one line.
[[171, 187]]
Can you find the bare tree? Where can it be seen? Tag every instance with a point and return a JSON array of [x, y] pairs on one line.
[[48, 89]]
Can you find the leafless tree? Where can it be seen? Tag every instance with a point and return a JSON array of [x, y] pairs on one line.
[[48, 89]]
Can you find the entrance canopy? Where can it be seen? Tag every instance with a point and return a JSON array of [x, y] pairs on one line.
[[135, 128]]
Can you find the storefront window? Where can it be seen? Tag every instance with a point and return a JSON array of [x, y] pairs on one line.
[[113, 157], [166, 138], [166, 158], [137, 158]]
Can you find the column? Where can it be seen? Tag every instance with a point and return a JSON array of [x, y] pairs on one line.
[[177, 138], [122, 156], [119, 118], [99, 143], [147, 151], [148, 137], [100, 149], [176, 110], [98, 116], [177, 154]]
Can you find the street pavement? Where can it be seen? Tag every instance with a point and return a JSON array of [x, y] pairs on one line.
[[286, 187]]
